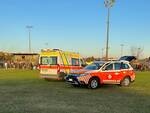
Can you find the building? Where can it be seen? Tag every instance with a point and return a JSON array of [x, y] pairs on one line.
[[26, 58]]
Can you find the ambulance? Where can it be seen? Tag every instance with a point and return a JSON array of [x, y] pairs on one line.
[[56, 64]]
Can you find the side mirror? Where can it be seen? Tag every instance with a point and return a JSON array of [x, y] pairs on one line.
[[103, 69]]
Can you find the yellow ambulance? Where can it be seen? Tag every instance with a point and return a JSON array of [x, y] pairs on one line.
[[56, 64]]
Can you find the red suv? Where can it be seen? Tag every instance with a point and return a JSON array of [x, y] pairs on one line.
[[112, 72]]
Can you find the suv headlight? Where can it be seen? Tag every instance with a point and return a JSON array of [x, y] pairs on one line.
[[84, 74]]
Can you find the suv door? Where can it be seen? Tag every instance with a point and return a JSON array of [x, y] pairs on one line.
[[117, 71], [108, 73], [125, 69], [112, 73]]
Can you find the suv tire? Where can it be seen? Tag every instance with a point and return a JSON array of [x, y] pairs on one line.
[[93, 83], [125, 82]]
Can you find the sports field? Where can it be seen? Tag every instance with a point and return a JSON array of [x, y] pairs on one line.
[[23, 91]]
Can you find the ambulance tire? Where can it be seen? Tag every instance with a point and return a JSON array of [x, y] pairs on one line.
[[62, 75], [93, 83], [47, 79], [75, 85], [125, 82]]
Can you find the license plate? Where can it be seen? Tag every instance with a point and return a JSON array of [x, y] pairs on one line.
[[44, 70], [70, 80]]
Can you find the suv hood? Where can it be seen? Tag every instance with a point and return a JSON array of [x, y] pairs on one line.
[[80, 71]]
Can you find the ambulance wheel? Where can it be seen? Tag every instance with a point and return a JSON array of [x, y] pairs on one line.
[[75, 85], [47, 79], [62, 75], [93, 83], [125, 82]]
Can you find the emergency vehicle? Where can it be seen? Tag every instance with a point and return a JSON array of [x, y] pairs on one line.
[[112, 72], [55, 63]]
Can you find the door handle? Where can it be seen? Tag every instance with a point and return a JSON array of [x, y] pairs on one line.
[[117, 73]]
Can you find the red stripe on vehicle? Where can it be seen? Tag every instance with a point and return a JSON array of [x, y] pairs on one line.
[[61, 67]]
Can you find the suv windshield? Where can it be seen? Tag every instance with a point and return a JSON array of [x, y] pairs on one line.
[[94, 66]]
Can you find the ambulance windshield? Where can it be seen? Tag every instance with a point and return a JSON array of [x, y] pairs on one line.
[[49, 60]]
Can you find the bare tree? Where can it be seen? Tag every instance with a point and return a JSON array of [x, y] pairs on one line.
[[5, 56], [137, 51], [2, 55]]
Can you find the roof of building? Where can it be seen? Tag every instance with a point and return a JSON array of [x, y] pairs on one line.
[[25, 54]]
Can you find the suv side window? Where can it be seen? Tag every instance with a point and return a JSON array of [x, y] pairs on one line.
[[117, 66], [125, 66], [109, 67]]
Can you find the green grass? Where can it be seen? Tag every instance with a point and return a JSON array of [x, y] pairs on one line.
[[23, 91]]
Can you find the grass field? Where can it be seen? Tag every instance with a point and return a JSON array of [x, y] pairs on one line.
[[23, 91]]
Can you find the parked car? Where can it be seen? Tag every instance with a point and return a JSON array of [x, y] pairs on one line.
[[112, 72], [128, 58]]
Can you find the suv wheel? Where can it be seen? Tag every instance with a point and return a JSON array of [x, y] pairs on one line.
[[93, 83], [125, 82]]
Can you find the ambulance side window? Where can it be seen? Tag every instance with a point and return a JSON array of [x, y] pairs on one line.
[[75, 62]]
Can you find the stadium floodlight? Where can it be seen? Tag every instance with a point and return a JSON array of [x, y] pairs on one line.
[[108, 5]]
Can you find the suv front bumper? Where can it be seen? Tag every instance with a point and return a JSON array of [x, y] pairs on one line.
[[74, 80]]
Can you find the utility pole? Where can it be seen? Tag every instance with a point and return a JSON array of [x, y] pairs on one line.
[[108, 5], [122, 45], [29, 29], [139, 50], [46, 45], [102, 53]]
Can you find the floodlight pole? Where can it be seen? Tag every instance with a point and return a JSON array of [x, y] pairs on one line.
[[29, 29], [107, 38], [108, 5]]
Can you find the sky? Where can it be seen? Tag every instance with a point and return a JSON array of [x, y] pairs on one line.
[[75, 25]]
